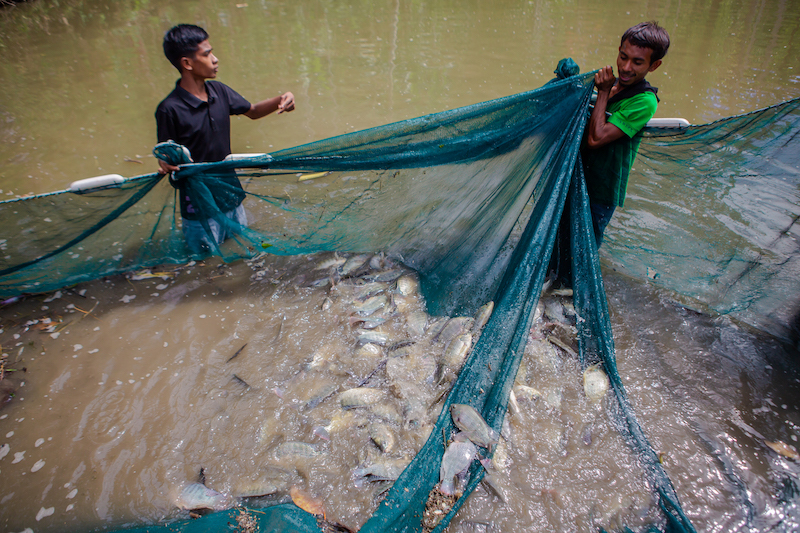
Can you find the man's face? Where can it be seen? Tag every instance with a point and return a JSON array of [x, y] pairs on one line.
[[633, 63], [204, 63]]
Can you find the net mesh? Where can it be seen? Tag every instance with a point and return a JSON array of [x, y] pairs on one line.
[[473, 200]]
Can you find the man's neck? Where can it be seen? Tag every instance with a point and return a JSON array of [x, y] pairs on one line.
[[194, 85]]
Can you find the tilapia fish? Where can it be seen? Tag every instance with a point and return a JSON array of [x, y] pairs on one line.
[[595, 382], [468, 420], [197, 496], [456, 459], [361, 397]]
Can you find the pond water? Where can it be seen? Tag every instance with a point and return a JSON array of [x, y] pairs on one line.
[[129, 391]]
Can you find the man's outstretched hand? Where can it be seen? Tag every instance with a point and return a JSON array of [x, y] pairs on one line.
[[287, 103]]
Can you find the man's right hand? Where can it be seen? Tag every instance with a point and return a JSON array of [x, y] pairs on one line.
[[604, 79], [166, 168]]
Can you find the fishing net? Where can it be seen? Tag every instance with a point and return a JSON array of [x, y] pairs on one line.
[[728, 235], [475, 199]]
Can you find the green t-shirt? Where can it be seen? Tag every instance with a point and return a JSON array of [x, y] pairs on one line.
[[607, 168]]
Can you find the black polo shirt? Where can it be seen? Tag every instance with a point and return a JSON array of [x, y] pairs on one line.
[[202, 127], [205, 129]]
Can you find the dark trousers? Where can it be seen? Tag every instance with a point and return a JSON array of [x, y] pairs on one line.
[[601, 216]]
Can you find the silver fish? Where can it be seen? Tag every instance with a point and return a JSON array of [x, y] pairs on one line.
[[403, 304], [366, 322], [295, 449], [198, 496], [331, 262], [454, 327], [468, 420], [383, 438], [261, 487], [386, 411], [362, 292], [456, 351], [377, 261], [595, 382], [386, 275], [319, 395], [482, 316], [373, 336], [361, 397], [554, 310], [491, 481], [369, 351], [416, 322], [436, 325], [370, 305], [353, 264], [385, 471], [457, 458], [407, 285], [341, 421]]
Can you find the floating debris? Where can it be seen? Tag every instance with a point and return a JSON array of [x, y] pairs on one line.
[[786, 450], [236, 354], [436, 508]]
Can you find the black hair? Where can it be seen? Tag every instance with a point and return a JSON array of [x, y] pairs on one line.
[[648, 35], [181, 41]]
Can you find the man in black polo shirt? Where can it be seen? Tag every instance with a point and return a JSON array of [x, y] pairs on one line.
[[196, 114]]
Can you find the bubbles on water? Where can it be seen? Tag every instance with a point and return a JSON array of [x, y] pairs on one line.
[[9, 434], [38, 443], [37, 465], [18, 456]]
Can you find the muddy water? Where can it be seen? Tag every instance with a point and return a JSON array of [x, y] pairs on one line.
[[132, 393]]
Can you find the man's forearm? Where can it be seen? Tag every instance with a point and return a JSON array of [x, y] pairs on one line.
[[598, 118], [264, 108]]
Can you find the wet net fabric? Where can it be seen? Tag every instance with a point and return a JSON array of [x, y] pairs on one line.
[[475, 199], [728, 235]]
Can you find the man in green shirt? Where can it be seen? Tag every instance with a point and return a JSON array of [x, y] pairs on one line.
[[611, 142]]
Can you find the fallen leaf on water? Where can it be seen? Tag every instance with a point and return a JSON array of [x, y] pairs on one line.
[[307, 502], [784, 449]]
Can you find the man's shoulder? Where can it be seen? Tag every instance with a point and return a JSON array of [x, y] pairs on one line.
[[236, 103], [644, 99], [215, 83], [171, 101], [631, 114], [219, 88]]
